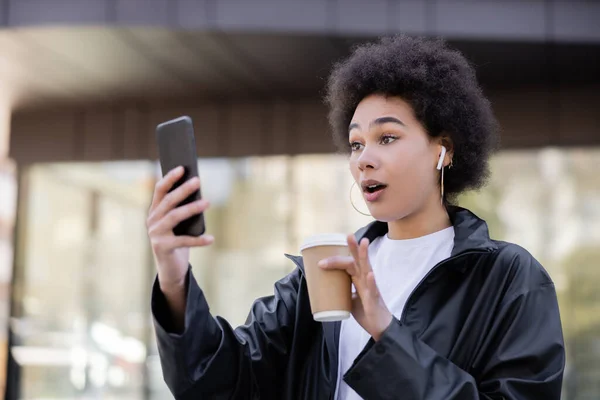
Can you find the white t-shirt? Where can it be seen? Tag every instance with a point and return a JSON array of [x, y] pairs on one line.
[[399, 266]]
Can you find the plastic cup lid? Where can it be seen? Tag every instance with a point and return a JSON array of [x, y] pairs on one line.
[[324, 239]]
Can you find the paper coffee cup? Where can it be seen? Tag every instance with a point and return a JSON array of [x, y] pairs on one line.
[[329, 291]]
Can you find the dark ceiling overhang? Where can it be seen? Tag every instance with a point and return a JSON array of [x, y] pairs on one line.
[[86, 51], [47, 67], [560, 21]]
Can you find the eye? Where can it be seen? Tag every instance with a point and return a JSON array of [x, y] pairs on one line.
[[355, 146], [387, 139]]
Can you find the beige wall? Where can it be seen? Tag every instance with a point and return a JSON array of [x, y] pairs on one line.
[[530, 117]]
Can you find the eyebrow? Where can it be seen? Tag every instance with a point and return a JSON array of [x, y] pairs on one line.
[[379, 121]]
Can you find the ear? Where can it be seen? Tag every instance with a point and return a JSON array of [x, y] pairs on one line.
[[441, 160], [446, 141]]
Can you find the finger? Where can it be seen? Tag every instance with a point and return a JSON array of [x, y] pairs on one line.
[[369, 293], [363, 256], [360, 252], [193, 241], [168, 244], [357, 304], [372, 285], [182, 213], [338, 262], [353, 247], [174, 198], [165, 184], [354, 251]]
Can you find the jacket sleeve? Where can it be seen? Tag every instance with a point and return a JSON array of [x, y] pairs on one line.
[[211, 360], [526, 360]]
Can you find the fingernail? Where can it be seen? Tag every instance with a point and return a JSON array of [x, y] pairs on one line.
[[209, 238], [322, 264]]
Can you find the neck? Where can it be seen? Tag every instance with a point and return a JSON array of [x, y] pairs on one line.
[[430, 218]]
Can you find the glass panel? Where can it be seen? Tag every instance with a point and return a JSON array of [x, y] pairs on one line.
[[85, 282], [86, 268], [548, 201]]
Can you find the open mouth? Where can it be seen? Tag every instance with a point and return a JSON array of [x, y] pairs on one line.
[[374, 188]]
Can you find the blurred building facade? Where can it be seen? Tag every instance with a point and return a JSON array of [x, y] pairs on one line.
[[84, 83]]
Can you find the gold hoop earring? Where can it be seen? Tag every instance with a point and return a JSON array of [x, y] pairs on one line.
[[352, 203], [442, 185]]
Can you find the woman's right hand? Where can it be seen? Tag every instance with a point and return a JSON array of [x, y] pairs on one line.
[[171, 252]]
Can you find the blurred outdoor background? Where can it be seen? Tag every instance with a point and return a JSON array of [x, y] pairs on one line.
[[83, 84]]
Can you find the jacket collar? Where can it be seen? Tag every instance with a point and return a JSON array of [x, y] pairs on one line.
[[470, 232]]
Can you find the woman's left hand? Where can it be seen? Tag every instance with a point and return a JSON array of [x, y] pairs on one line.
[[368, 308]]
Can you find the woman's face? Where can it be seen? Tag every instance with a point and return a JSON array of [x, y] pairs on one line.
[[393, 159]]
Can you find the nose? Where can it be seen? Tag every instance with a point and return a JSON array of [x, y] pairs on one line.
[[367, 160]]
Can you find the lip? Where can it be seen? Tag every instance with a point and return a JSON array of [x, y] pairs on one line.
[[369, 182], [371, 197]]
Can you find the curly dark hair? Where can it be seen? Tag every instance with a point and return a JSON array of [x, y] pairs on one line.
[[439, 84]]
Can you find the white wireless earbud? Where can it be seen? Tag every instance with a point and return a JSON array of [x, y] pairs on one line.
[[441, 160]]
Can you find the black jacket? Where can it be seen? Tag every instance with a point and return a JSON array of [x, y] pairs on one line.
[[483, 324]]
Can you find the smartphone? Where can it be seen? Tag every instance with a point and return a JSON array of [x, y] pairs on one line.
[[177, 146]]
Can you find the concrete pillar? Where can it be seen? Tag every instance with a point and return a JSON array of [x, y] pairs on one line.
[[8, 208]]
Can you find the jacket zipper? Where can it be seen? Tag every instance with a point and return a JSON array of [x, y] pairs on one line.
[[431, 271]]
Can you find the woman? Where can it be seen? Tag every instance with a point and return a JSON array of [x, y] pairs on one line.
[[441, 311]]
